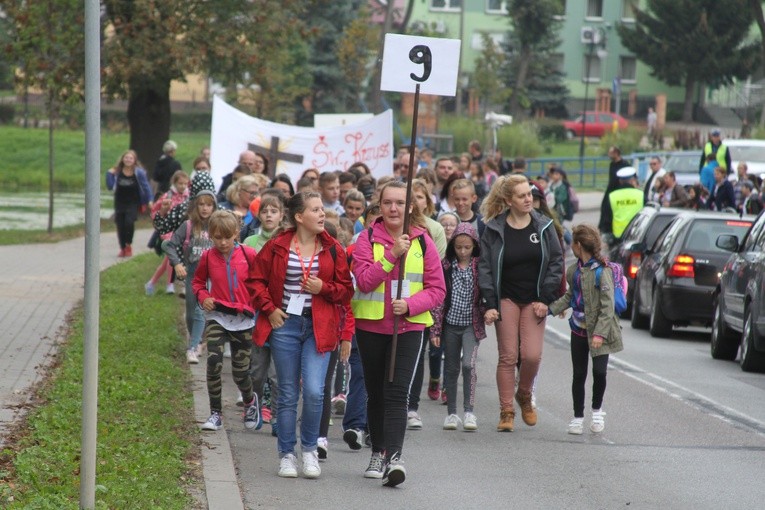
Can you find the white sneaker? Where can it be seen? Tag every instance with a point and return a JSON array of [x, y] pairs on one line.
[[598, 421], [452, 422], [191, 357], [311, 467], [470, 422], [227, 350], [170, 289], [576, 426], [395, 473], [214, 422], [413, 421], [149, 288], [322, 447], [288, 466]]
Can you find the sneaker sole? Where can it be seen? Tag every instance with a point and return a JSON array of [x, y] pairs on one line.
[[312, 476], [211, 428], [377, 475], [576, 432], [351, 439], [414, 427], [395, 477], [450, 427], [288, 474], [470, 428]]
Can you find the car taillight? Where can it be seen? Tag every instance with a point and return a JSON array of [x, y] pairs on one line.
[[682, 267], [635, 259]]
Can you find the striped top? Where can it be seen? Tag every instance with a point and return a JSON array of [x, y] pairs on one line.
[[292, 283]]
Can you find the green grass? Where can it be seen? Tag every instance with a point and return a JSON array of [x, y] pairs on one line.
[[145, 425], [25, 166]]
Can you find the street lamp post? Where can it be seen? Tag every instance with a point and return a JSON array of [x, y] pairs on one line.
[[597, 39]]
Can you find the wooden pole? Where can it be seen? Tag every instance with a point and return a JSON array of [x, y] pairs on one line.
[[407, 206]]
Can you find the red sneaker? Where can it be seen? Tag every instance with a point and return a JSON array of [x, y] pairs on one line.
[[121, 253], [265, 413], [434, 389], [128, 251]]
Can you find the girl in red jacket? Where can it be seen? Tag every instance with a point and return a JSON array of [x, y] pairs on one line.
[[223, 287], [300, 276]]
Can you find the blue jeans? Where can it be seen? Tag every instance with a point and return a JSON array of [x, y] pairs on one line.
[[293, 349], [355, 416], [195, 319]]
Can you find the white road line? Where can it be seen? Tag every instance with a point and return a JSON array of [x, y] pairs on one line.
[[676, 391]]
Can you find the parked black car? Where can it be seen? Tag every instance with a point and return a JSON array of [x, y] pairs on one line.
[[739, 318], [677, 279], [640, 235]]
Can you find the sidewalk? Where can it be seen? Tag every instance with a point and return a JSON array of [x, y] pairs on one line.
[[41, 284]]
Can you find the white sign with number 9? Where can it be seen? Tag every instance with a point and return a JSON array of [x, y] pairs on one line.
[[429, 61]]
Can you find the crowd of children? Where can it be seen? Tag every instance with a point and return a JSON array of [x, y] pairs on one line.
[[272, 278]]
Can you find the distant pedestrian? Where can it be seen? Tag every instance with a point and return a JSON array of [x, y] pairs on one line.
[[595, 329], [718, 149], [132, 193], [458, 325], [622, 204], [722, 197], [223, 287], [165, 167], [651, 123]]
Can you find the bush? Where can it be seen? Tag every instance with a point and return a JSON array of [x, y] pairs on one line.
[[551, 131], [7, 113], [628, 140]]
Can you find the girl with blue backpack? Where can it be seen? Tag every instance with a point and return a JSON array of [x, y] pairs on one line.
[[595, 330]]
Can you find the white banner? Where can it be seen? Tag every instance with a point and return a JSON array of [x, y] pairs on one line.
[[292, 149]]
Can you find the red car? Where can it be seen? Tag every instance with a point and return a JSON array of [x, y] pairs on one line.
[[597, 124]]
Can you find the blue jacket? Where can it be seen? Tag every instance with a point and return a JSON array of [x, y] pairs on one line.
[[707, 175]]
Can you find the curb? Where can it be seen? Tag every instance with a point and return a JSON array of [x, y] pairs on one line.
[[221, 485]]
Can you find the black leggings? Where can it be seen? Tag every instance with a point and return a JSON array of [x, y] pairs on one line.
[[387, 401], [580, 354], [125, 221], [326, 411]]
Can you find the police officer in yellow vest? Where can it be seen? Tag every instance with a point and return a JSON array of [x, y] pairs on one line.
[[622, 205], [719, 149]]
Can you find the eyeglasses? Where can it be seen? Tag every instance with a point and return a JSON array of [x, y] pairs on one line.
[[252, 194]]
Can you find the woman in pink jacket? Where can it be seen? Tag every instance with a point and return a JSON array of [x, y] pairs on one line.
[[376, 261]]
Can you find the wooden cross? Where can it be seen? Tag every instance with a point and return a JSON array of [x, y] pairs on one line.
[[275, 155]]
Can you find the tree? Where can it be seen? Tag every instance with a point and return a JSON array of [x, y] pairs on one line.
[[355, 52], [756, 9], [692, 42], [533, 38], [487, 76], [45, 42]]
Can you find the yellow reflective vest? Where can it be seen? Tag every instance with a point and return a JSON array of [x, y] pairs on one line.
[[720, 156], [625, 204], [371, 305]]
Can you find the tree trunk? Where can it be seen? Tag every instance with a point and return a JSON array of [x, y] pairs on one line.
[[690, 84], [377, 97], [149, 118], [520, 83], [756, 7]]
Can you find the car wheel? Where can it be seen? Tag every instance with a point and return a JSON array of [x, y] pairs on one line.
[[638, 320], [570, 135], [724, 344], [659, 326], [751, 360]]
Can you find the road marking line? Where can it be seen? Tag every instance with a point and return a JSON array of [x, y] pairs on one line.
[[692, 398]]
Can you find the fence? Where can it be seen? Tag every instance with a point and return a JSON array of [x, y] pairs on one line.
[[590, 172]]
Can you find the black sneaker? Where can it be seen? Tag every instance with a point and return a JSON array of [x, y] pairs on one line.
[[395, 473], [354, 438], [252, 418]]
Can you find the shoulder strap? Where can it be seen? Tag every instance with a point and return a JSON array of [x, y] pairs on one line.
[[188, 234], [250, 260]]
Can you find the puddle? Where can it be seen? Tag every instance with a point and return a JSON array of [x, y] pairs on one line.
[[29, 211]]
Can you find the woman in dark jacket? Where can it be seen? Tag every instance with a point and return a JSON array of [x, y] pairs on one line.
[[520, 268]]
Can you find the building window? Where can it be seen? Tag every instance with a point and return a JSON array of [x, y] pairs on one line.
[[591, 64], [628, 69], [556, 62], [628, 10], [594, 9], [560, 12], [496, 6], [446, 5]]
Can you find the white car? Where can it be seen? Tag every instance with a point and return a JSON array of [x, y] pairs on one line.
[[752, 152]]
